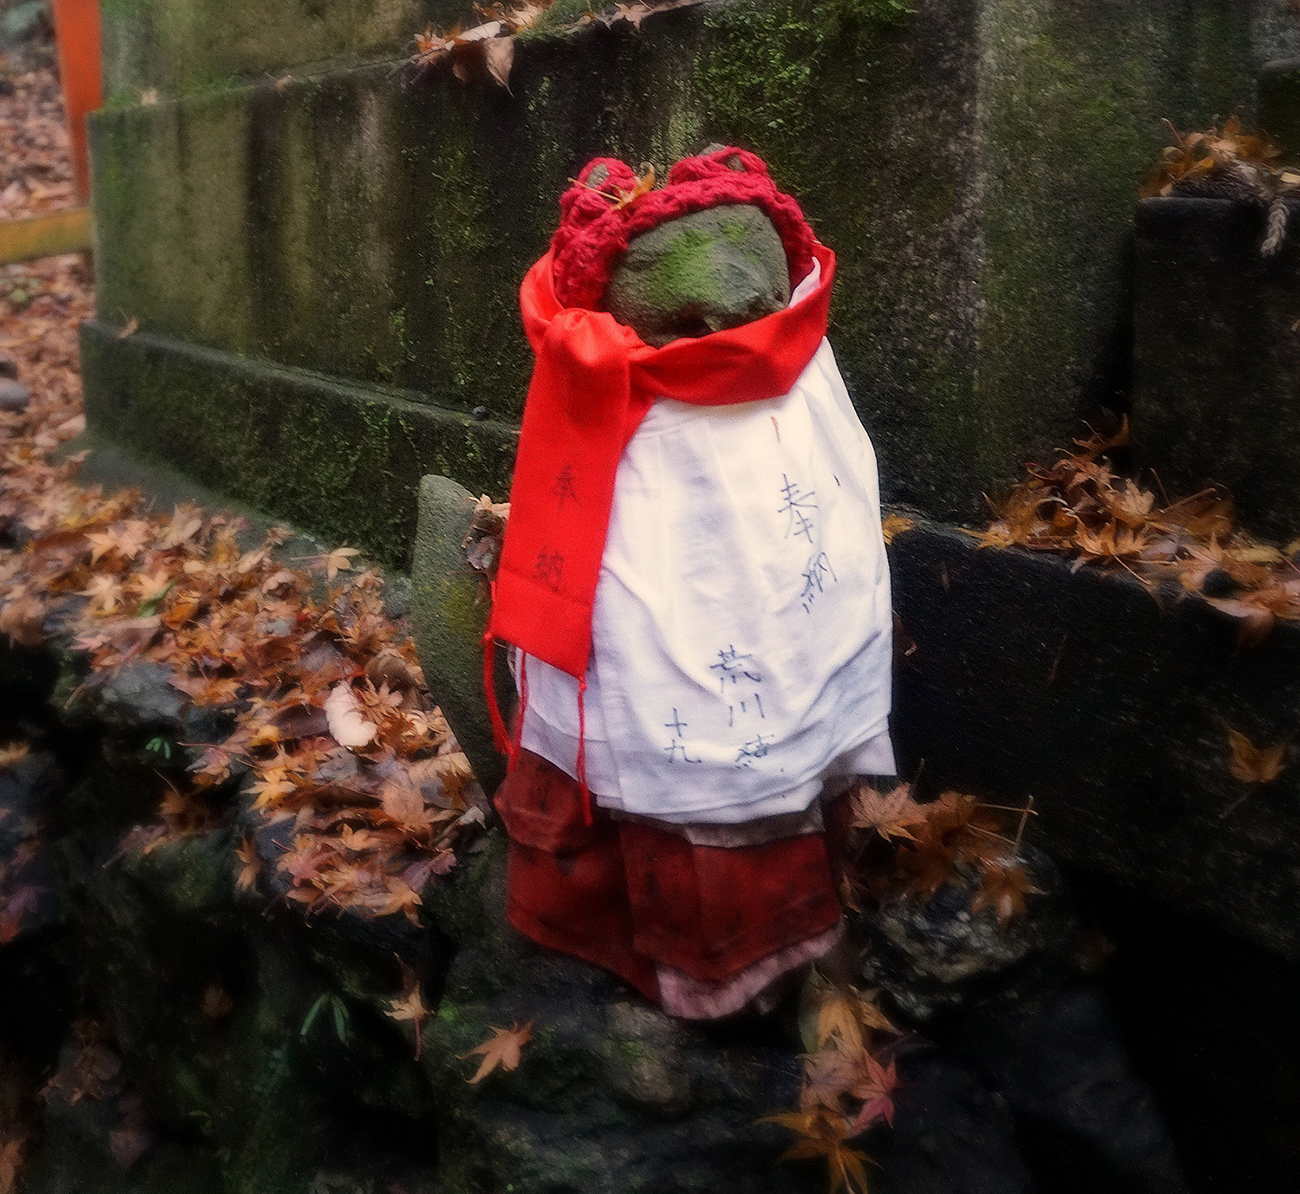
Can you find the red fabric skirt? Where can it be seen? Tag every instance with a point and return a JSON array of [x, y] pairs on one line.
[[631, 898]]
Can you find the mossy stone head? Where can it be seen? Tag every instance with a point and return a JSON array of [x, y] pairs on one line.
[[715, 248], [700, 273]]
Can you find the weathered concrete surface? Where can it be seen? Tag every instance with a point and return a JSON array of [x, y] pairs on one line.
[[1081, 690], [1274, 30], [336, 457], [973, 164], [1216, 368], [1071, 97], [172, 45], [1279, 104]]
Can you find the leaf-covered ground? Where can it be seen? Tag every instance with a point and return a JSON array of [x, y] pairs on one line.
[[330, 726], [35, 167]]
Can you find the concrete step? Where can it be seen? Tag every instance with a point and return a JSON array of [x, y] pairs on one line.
[[1111, 709]]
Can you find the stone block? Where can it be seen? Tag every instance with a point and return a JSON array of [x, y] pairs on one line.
[[338, 457], [1216, 372], [973, 163], [449, 611], [1279, 104], [1111, 709], [179, 45]]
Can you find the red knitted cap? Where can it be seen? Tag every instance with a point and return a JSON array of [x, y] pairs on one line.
[[594, 232]]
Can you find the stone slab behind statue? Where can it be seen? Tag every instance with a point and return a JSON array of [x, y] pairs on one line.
[[372, 225], [164, 45], [1109, 704], [1216, 368]]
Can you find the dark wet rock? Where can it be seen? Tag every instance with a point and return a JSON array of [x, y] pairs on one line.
[[950, 1134], [8, 367], [13, 395], [30, 903], [250, 1028], [936, 955], [77, 1154], [1007, 1002], [28, 790], [611, 1094], [1058, 1063], [138, 696]]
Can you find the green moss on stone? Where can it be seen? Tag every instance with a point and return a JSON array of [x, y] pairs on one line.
[[558, 17], [684, 272], [700, 273], [376, 229], [318, 453], [183, 45]]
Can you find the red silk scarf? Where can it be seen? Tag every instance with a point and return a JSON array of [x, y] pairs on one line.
[[593, 382]]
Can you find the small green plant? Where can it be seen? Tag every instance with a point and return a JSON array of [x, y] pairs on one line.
[[159, 746], [338, 1007], [150, 606]]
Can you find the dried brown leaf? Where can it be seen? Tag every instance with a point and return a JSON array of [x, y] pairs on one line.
[[502, 1049]]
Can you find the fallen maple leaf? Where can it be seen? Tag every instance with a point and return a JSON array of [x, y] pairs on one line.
[[499, 57], [105, 593], [10, 754], [998, 535], [891, 816], [1003, 888], [1252, 764], [837, 1017], [339, 560], [877, 1094], [822, 1134], [250, 865], [645, 182], [403, 801], [410, 1008], [502, 1049], [895, 525]]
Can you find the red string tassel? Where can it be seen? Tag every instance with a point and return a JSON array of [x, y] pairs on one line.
[[500, 738], [523, 706], [582, 752]]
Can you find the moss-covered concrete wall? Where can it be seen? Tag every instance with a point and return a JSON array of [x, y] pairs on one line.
[[974, 164], [182, 45], [1071, 97], [1275, 30], [340, 459]]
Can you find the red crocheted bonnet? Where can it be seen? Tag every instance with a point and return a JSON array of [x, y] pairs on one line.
[[594, 232]]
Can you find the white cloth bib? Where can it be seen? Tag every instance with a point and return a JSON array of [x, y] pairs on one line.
[[741, 640]]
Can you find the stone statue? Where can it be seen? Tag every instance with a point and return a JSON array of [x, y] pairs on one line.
[[694, 587]]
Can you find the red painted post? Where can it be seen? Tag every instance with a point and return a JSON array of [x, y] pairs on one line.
[[76, 32]]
